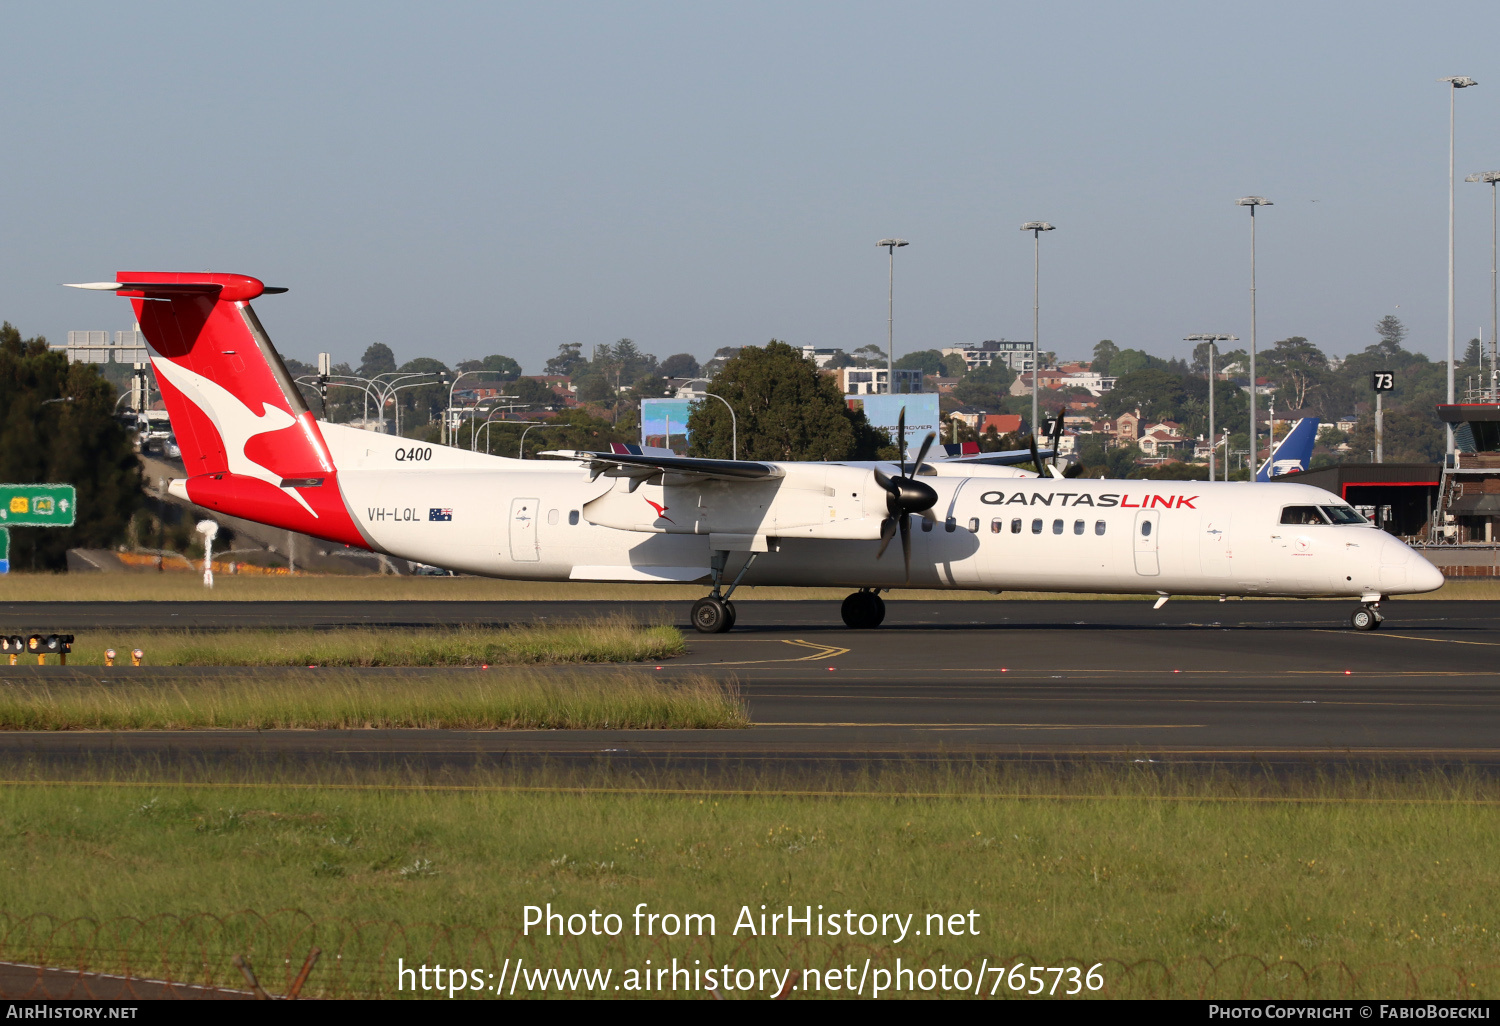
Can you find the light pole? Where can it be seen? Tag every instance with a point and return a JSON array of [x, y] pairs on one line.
[[447, 435], [1036, 228], [392, 394], [1212, 341], [734, 426], [521, 452], [1491, 177], [1456, 82], [891, 246], [1252, 202]]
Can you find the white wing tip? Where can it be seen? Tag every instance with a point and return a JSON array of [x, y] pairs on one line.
[[93, 286]]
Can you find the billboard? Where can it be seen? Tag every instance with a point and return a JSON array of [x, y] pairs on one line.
[[664, 423], [882, 411]]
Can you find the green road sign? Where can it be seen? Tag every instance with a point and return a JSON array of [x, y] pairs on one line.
[[4, 543], [37, 505]]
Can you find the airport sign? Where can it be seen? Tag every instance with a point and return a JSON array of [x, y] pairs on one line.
[[37, 505]]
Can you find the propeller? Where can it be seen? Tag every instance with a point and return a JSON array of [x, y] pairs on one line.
[[904, 495]]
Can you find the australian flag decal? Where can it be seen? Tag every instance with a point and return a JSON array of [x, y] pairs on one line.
[[439, 514]]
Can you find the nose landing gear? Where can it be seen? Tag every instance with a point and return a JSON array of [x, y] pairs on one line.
[[1366, 618], [863, 610]]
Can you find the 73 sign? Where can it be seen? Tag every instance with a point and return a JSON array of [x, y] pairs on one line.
[[1382, 381]]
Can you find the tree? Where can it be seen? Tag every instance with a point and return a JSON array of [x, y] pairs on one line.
[[1104, 353], [1392, 334], [57, 424], [1299, 370], [378, 359], [786, 409], [839, 360], [680, 365], [568, 361], [985, 387], [1155, 391], [1127, 361], [929, 361], [630, 363], [721, 355], [1474, 355], [955, 366], [869, 356], [533, 393]]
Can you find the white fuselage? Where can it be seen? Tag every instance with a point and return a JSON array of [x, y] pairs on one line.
[[818, 525]]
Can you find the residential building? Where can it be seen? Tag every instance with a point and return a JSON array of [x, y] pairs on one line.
[[1015, 355], [821, 357], [982, 421], [877, 381]]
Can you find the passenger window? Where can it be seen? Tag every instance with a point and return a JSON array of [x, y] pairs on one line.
[[995, 526], [1057, 527], [974, 524], [926, 524], [1036, 527], [1078, 527], [552, 517], [1099, 527], [950, 524], [572, 518], [1145, 528], [1015, 526], [1301, 515]]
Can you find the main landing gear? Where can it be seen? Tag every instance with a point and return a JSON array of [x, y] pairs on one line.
[[1367, 617], [715, 613], [863, 610]]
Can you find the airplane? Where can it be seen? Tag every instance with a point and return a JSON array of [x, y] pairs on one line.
[[1293, 453], [253, 449]]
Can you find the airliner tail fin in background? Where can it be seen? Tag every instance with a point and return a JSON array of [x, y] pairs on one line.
[[1294, 453], [249, 443]]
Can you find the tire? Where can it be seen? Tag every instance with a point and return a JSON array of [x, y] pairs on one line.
[[862, 611], [712, 616], [1363, 619], [733, 614]]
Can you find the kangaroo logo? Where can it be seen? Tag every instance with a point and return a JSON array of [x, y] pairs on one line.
[[236, 422], [661, 511]]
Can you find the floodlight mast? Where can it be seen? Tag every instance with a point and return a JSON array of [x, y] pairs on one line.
[[1492, 177], [1455, 82], [1036, 228], [1212, 341], [1252, 202], [891, 246]]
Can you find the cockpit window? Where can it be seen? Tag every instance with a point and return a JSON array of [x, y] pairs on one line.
[[1344, 515], [1301, 515]]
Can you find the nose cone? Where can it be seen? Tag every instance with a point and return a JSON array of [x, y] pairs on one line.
[[1422, 575]]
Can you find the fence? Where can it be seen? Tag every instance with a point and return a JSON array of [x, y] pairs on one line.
[[291, 954]]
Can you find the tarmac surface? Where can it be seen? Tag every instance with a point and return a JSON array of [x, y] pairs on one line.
[[1198, 682]]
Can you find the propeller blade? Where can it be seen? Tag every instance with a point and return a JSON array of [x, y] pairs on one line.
[[887, 532], [901, 439], [906, 543], [1073, 470], [1036, 459], [922, 452]]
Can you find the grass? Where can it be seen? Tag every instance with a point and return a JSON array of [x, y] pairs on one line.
[[331, 700], [1202, 887], [608, 640], [149, 587]]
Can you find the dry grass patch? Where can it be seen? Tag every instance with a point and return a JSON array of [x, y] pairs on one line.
[[334, 700], [608, 640]]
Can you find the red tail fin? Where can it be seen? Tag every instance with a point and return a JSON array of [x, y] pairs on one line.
[[250, 444]]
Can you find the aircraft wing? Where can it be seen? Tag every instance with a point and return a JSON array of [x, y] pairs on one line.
[[630, 465], [997, 459]]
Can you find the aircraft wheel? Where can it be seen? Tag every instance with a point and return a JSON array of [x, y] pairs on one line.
[[1364, 619], [733, 614], [712, 615], [863, 610]]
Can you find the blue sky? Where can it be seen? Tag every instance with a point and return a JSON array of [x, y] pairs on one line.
[[457, 179]]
